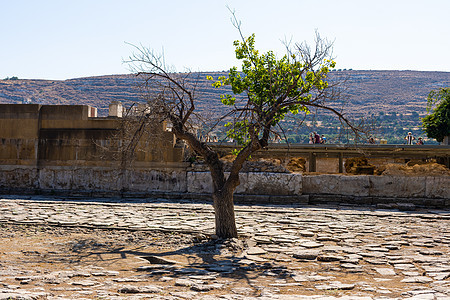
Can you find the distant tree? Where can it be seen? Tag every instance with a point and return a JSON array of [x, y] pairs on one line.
[[272, 88], [437, 124], [12, 78]]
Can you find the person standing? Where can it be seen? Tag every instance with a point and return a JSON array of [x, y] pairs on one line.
[[316, 138], [409, 138]]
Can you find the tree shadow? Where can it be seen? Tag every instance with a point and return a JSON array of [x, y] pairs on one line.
[[199, 266]]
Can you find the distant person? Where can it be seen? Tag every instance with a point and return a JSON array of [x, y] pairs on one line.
[[323, 139], [311, 138], [419, 141], [371, 140], [316, 138], [409, 138]]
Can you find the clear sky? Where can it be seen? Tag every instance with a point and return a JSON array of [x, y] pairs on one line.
[[62, 39]]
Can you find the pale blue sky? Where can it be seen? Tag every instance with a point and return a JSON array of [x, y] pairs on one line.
[[62, 39]]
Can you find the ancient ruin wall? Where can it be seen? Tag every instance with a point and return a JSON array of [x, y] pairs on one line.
[[46, 148]]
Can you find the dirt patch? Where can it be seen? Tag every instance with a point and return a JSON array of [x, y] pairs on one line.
[[359, 166]]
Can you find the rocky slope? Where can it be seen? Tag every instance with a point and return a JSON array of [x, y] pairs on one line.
[[368, 91]]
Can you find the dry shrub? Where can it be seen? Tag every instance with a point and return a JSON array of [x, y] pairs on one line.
[[358, 165], [296, 164], [429, 169], [413, 162], [353, 162], [256, 164]]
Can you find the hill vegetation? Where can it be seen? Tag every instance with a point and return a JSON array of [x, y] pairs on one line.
[[393, 100]]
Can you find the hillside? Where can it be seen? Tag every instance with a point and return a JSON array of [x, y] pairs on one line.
[[370, 93]]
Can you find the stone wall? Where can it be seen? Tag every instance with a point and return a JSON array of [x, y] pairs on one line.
[[176, 181], [153, 178], [378, 186], [60, 149], [72, 135]]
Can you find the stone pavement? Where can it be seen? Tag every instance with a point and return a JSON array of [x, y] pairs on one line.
[[310, 252]]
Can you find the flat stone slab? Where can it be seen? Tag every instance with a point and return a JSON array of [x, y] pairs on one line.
[[417, 279], [139, 289], [311, 244], [386, 271], [306, 254], [335, 286], [255, 251]]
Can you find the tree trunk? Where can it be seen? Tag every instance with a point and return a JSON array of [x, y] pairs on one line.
[[224, 214]]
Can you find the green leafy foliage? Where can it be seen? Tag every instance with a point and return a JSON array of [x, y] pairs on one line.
[[273, 87], [437, 124]]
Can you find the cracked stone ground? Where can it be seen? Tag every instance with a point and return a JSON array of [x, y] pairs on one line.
[[54, 248]]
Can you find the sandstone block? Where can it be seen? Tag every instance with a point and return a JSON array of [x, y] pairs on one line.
[[157, 180], [336, 185], [19, 177], [46, 178], [199, 182], [397, 186], [273, 184], [437, 187]]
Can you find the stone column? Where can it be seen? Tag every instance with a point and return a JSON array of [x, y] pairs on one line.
[[115, 109], [312, 162], [446, 141], [341, 162]]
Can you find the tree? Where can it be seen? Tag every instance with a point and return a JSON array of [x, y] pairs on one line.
[[263, 94], [437, 124]]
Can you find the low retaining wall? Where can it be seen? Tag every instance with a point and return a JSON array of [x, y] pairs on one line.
[[140, 180], [378, 186], [276, 188]]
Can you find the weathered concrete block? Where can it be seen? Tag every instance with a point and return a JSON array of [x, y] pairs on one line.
[[336, 184], [397, 186], [199, 182], [156, 180], [62, 179], [437, 187], [109, 180], [83, 179], [46, 178], [250, 183], [17, 177], [274, 184]]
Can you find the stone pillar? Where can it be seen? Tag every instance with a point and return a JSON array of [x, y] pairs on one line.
[[446, 141], [115, 109], [92, 113], [341, 162], [312, 162]]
